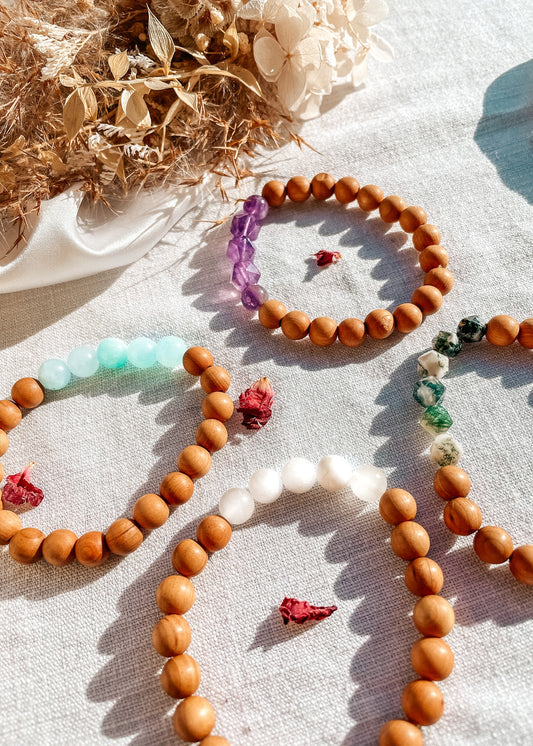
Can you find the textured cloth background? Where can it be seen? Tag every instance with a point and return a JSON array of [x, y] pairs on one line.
[[448, 126]]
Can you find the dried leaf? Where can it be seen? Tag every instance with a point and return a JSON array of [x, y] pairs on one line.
[[191, 99], [89, 100], [68, 81], [53, 160], [113, 160], [119, 64], [157, 85], [73, 114], [245, 76], [161, 41], [16, 146], [198, 56], [137, 111], [231, 40]]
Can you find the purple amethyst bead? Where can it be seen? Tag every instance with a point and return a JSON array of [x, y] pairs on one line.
[[240, 249], [244, 274], [245, 225], [256, 206], [253, 296]]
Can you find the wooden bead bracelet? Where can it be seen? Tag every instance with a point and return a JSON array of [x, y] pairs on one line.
[[323, 331], [463, 516], [62, 546], [194, 718]]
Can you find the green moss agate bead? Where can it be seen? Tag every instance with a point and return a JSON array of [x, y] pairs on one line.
[[447, 343], [54, 374], [428, 391], [471, 329], [445, 450], [112, 353], [432, 363], [141, 352], [169, 351], [83, 362], [436, 420]]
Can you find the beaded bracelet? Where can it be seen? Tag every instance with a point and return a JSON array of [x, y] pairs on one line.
[[194, 718], [462, 516], [62, 546], [323, 331]]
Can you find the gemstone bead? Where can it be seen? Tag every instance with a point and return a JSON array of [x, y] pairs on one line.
[[447, 343], [256, 206], [169, 351], [428, 391], [253, 297], [112, 353], [244, 274], [445, 450], [334, 473], [432, 363], [368, 483], [54, 374], [299, 475], [471, 329], [436, 420], [83, 362], [141, 352], [240, 249], [245, 225], [236, 506], [265, 486]]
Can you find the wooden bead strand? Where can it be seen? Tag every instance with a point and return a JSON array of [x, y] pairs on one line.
[[324, 331]]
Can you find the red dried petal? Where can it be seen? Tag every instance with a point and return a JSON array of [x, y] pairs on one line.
[[323, 257], [19, 490], [255, 404], [300, 612]]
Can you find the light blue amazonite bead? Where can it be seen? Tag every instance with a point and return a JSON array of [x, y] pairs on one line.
[[112, 353], [141, 352], [54, 374], [169, 351], [83, 362]]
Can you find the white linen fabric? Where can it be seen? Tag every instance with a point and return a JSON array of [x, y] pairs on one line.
[[448, 127]]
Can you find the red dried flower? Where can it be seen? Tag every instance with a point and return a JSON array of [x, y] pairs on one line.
[[300, 612], [255, 404], [19, 490], [324, 258]]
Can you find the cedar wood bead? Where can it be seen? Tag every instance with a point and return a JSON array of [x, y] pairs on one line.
[[423, 577], [298, 189], [426, 235], [412, 218], [175, 595], [26, 545], [502, 330], [1, 477], [176, 488], [274, 192], [379, 323], [432, 658], [323, 331], [346, 190], [91, 549], [391, 208], [397, 505], [10, 415], [150, 511], [400, 733], [4, 442], [180, 676], [211, 435], [214, 741], [59, 547], [196, 360], [462, 516], [194, 461], [217, 406], [433, 256], [409, 540], [27, 393], [189, 558], [525, 335], [295, 324], [271, 313], [10, 523], [440, 278], [428, 298], [422, 702], [433, 616], [171, 635], [194, 719], [213, 533], [123, 537], [408, 317], [215, 378], [451, 481], [521, 564], [493, 545], [369, 197], [351, 332], [322, 186]]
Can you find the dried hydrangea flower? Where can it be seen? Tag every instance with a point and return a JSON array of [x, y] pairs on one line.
[[19, 490], [325, 258], [255, 404], [300, 612]]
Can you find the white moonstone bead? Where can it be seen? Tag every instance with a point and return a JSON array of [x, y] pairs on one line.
[[236, 506], [432, 363], [334, 473], [445, 450], [265, 486], [368, 483], [298, 475]]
